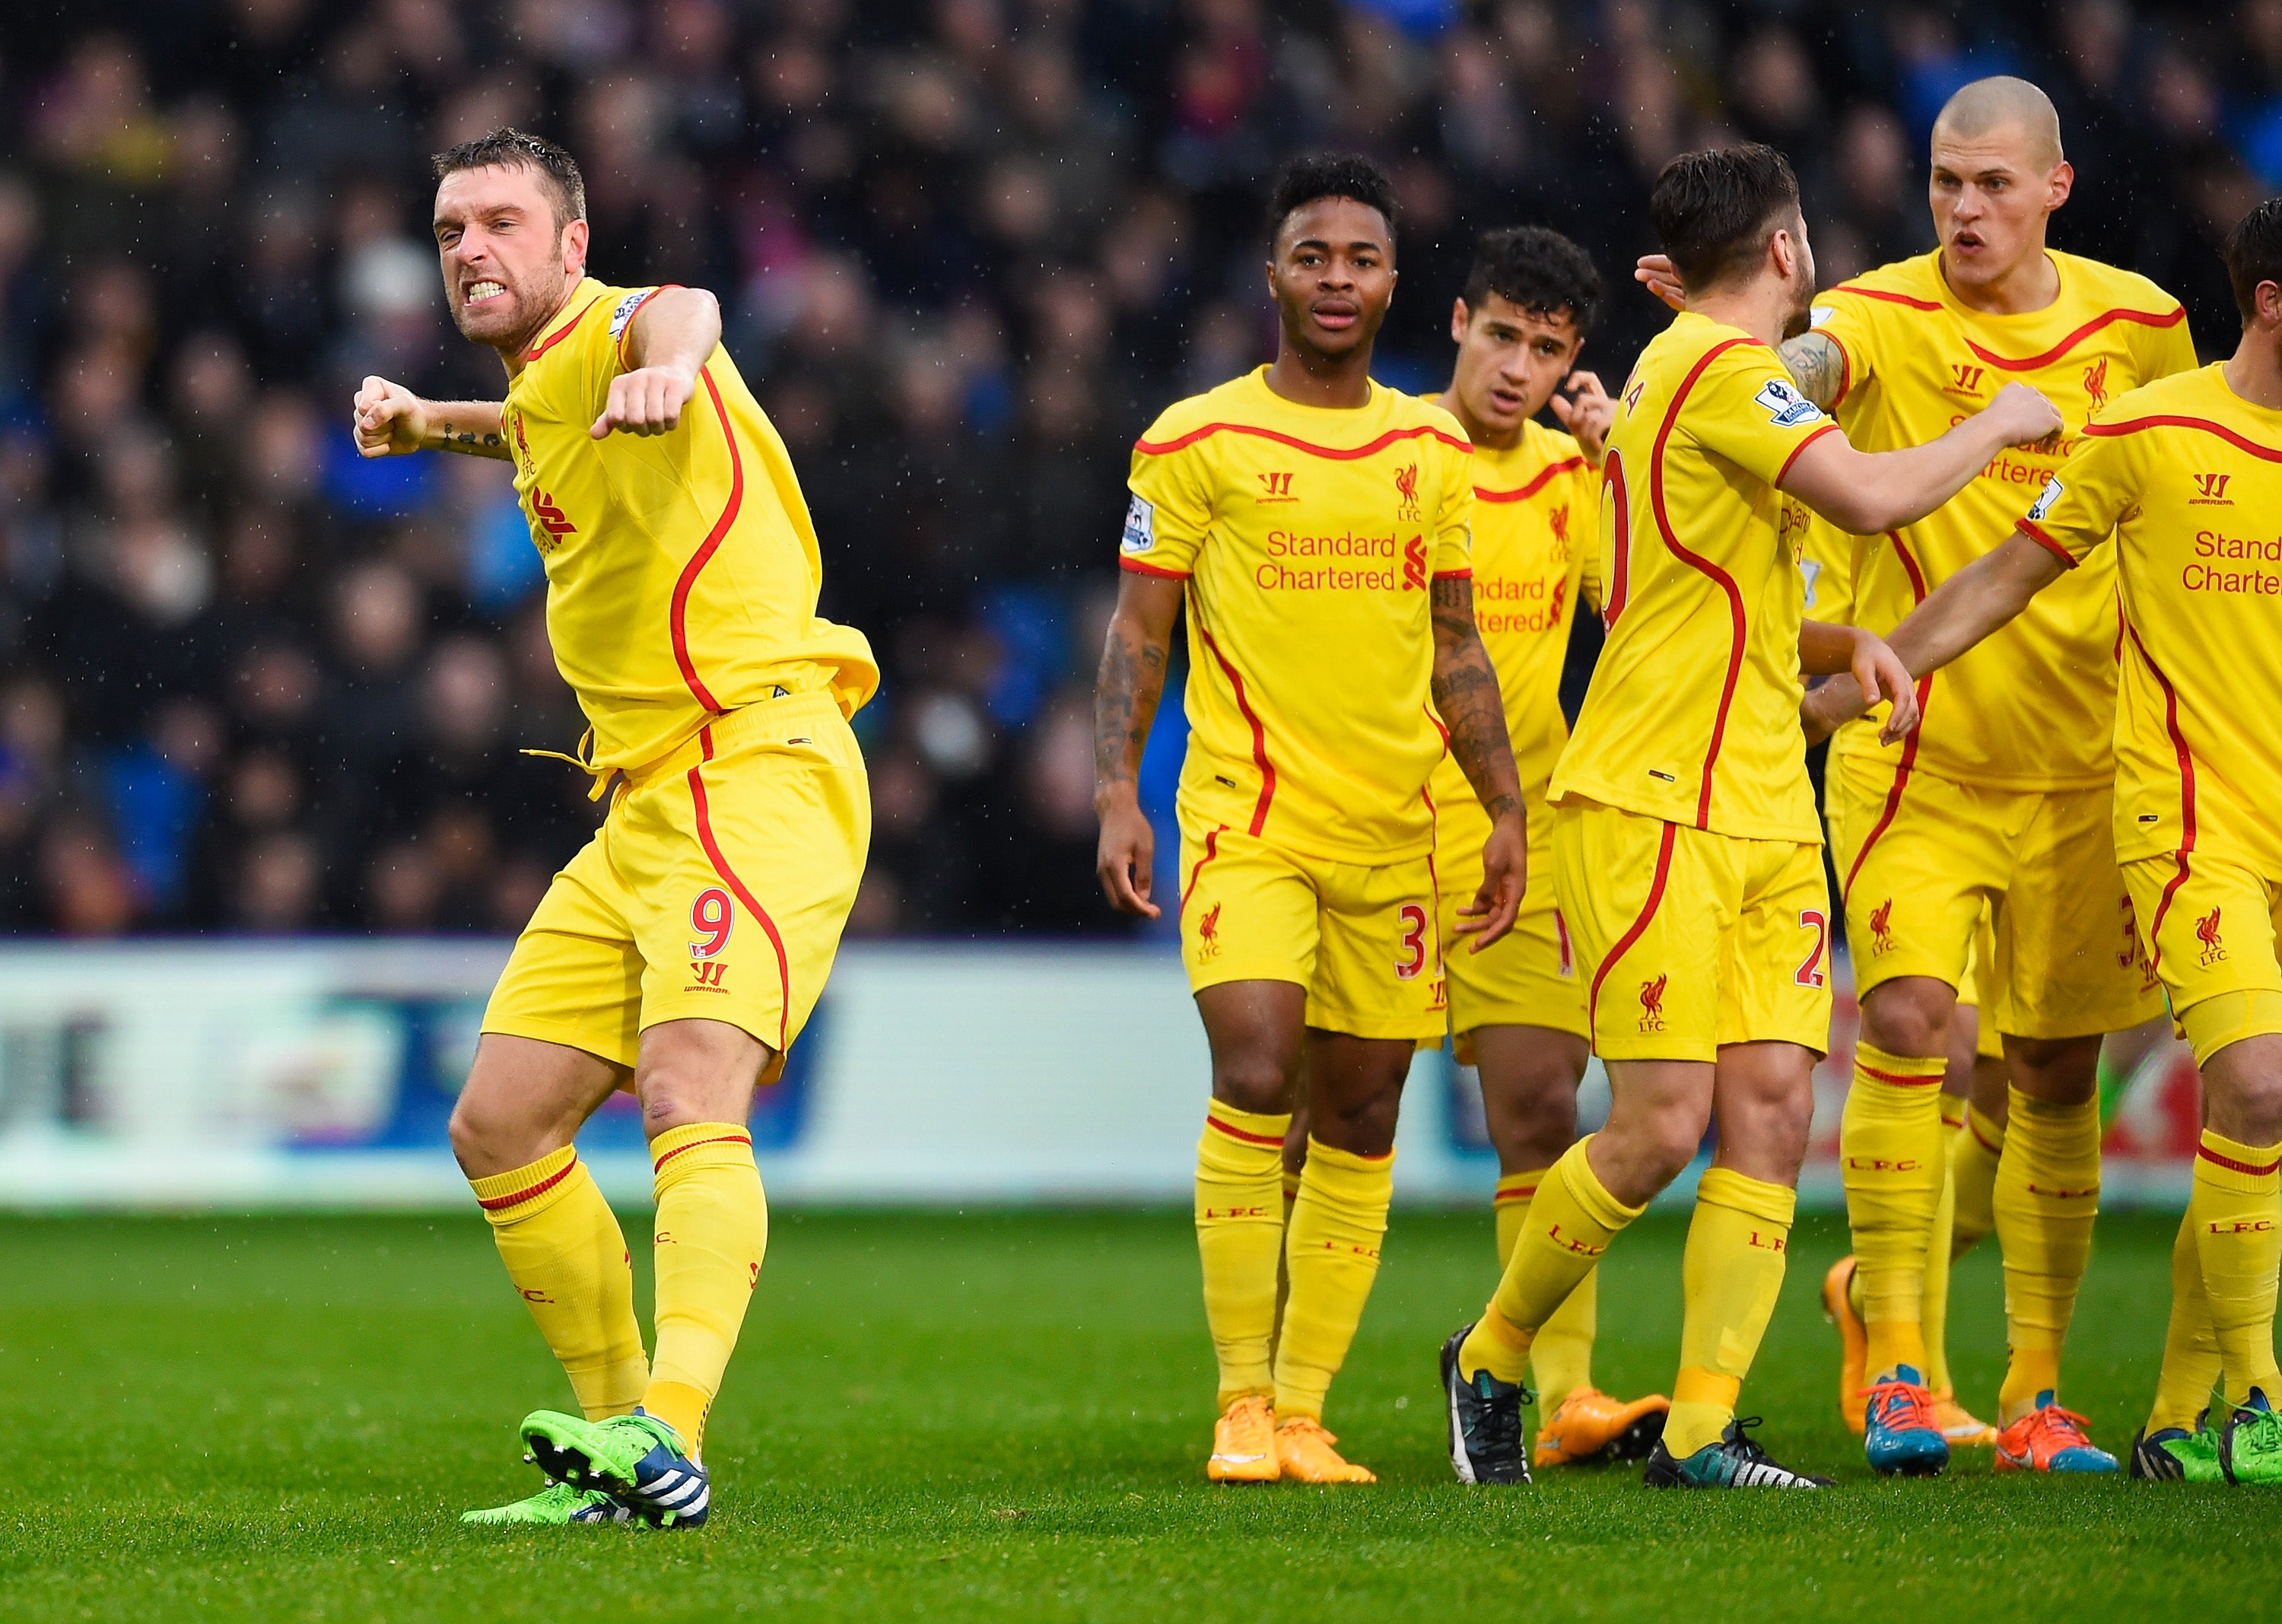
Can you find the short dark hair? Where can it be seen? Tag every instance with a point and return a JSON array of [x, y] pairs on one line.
[[1330, 175], [506, 148], [1714, 211], [1536, 270], [2254, 254]]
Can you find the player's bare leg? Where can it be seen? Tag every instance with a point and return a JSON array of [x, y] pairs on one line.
[[2047, 1192]]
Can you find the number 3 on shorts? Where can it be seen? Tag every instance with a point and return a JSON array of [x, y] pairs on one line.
[[1810, 974], [1414, 941], [712, 917]]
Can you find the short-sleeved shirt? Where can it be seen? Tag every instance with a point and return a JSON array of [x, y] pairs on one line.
[[2184, 476], [1308, 538], [1537, 552], [682, 568], [2031, 708], [1692, 716]]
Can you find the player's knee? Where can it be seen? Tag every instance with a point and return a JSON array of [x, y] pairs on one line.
[[1253, 1083], [2061, 1070], [1908, 1016], [487, 1140], [1653, 1147]]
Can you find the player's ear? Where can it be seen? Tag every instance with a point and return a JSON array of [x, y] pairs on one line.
[[2058, 184], [574, 246], [1458, 321]]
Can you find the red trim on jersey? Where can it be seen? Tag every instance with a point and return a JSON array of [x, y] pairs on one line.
[[515, 1198], [729, 878], [1784, 472], [1241, 1136], [2186, 799], [1697, 561], [2036, 532], [1259, 731], [1894, 1077], [1625, 942], [1891, 299], [2232, 1166], [1845, 373], [1455, 575], [560, 333], [1428, 707], [1544, 476], [1211, 850], [1162, 573], [705, 551], [1909, 761], [1617, 504], [2109, 431], [1157, 448], [746, 1139], [2146, 318]]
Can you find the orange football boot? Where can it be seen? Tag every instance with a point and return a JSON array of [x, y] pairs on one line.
[[1589, 1424], [1304, 1450], [1960, 1425], [2050, 1439], [1853, 1345], [1244, 1443]]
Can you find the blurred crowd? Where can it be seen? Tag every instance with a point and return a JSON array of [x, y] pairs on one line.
[[967, 248]]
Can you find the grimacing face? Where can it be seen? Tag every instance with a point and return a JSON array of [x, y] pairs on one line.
[[1332, 276], [1511, 360], [507, 265]]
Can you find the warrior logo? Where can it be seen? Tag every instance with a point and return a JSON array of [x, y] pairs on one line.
[[2207, 933], [1208, 933], [1881, 935], [2095, 382], [1651, 997]]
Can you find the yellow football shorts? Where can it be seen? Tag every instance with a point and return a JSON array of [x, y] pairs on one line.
[[1920, 857], [1361, 939], [2211, 924], [1688, 940], [715, 890], [1988, 1043], [1529, 976]]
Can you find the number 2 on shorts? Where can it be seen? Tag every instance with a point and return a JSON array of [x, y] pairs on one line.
[[1810, 974]]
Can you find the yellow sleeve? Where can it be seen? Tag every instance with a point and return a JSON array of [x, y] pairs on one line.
[[1171, 508], [599, 346], [1585, 523], [1847, 323], [2079, 506], [1745, 408], [2173, 350], [1828, 562], [1454, 525]]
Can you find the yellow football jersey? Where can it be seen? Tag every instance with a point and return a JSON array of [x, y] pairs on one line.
[[1693, 713], [681, 569], [1307, 537], [1537, 551], [2031, 708], [2186, 477]]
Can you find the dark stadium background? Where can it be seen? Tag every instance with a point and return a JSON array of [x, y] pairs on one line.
[[965, 249]]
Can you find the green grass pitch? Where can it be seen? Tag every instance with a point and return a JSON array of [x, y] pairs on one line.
[[990, 1417]]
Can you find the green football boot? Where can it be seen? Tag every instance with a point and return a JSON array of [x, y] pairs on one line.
[[2173, 1454], [637, 1457], [556, 1506], [2250, 1447]]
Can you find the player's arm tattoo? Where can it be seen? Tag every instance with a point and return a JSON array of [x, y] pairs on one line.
[[1467, 698], [1817, 365], [1131, 680], [470, 442], [473, 428]]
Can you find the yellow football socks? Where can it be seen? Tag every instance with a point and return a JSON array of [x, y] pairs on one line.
[[2047, 1193], [1973, 1170], [1561, 1354], [2237, 1207], [565, 1254], [2191, 1356], [1731, 1274], [1890, 1153], [1934, 1302], [1569, 1223], [1330, 1251], [712, 1229], [1240, 1240]]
